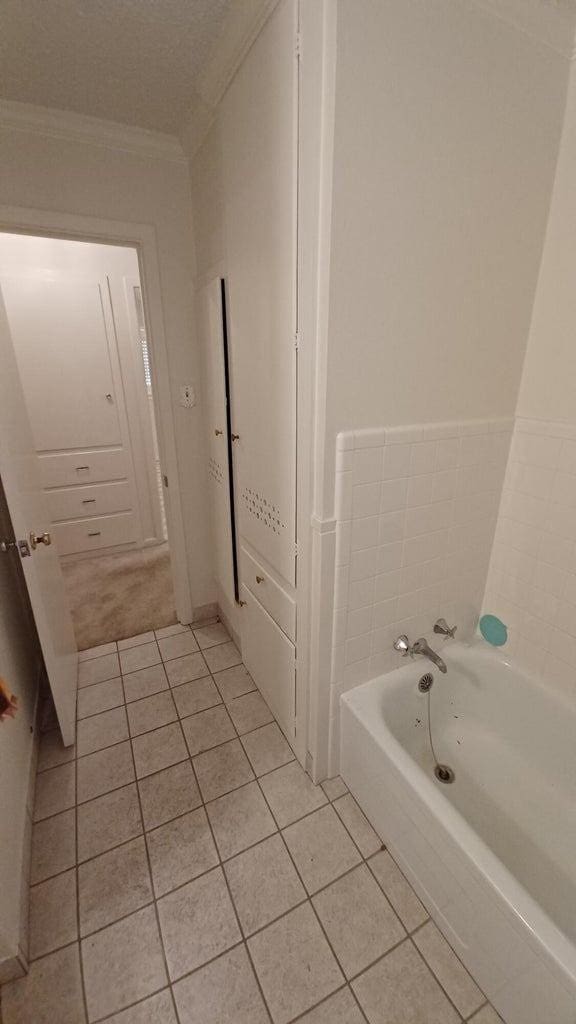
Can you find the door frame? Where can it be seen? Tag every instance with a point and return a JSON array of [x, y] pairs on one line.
[[142, 237]]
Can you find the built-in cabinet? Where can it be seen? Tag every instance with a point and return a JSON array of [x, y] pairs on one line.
[[258, 125], [75, 338]]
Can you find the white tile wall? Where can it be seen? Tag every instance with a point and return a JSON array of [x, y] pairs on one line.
[[416, 509], [532, 577]]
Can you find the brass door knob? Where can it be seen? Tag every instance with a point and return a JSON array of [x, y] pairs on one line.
[[39, 538]]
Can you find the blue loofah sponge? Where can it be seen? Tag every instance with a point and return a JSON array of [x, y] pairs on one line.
[[493, 630]]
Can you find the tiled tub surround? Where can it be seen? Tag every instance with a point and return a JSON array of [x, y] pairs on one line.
[[415, 512], [186, 870], [532, 576]]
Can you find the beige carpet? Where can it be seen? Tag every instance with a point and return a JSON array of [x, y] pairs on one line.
[[116, 596]]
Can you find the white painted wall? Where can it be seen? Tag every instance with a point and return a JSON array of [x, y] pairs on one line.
[[548, 389], [532, 578], [19, 665], [447, 123], [79, 177]]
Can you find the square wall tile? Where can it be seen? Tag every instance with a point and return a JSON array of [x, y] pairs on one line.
[[198, 922], [294, 963], [122, 964]]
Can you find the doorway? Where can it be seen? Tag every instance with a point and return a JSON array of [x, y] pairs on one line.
[[77, 316]]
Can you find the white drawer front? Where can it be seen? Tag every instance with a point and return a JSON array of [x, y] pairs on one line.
[[277, 602], [92, 534], [70, 468], [269, 657], [77, 502]]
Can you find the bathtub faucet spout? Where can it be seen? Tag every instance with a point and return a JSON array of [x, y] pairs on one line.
[[422, 646]]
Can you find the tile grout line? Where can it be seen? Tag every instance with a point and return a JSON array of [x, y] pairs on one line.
[[77, 880], [222, 862], [152, 887]]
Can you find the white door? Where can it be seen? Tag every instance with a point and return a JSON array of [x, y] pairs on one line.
[[212, 335], [259, 142], [29, 513]]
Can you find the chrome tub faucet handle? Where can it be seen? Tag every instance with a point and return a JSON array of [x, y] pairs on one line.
[[442, 627]]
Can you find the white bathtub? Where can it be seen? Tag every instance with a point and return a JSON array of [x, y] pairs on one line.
[[493, 856]]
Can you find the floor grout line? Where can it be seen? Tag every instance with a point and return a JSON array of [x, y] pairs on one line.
[[221, 861]]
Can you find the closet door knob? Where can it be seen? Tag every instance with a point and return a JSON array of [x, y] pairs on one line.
[[235, 437], [39, 538], [218, 432], [260, 579]]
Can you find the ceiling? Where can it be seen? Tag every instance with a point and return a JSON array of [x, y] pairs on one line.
[[132, 61]]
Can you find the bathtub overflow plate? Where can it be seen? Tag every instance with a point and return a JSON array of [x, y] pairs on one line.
[[426, 682]]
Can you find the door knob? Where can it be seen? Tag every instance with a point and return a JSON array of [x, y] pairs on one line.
[[235, 437], [260, 579], [39, 538], [7, 545], [218, 432]]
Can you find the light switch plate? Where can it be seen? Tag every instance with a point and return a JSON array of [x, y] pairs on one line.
[[187, 396]]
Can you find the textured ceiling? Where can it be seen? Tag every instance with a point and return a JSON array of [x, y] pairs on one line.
[[133, 61]]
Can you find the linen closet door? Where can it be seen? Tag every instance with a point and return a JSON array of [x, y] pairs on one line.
[[211, 324], [259, 145]]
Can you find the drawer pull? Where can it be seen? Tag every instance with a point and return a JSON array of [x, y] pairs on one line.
[[95, 533], [260, 579], [79, 468], [88, 501]]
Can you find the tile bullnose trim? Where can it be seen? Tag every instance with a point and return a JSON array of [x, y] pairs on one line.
[[412, 433]]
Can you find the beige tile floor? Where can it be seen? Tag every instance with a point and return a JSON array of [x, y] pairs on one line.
[[185, 869]]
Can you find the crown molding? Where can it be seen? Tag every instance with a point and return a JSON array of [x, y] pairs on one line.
[[64, 124], [552, 23], [242, 25]]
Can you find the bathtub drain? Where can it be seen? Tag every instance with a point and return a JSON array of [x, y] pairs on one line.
[[444, 774]]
